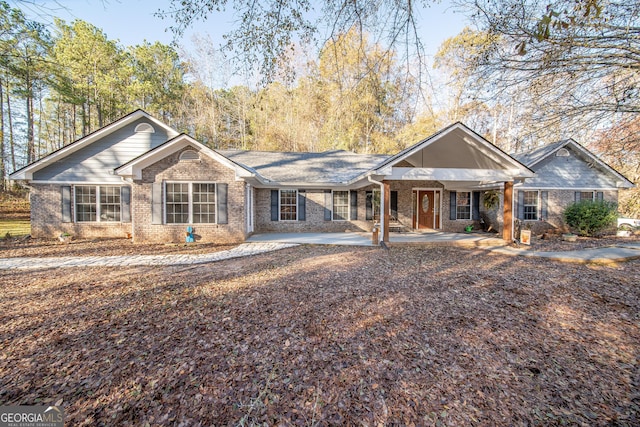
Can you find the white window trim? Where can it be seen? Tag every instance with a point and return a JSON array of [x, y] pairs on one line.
[[593, 194], [470, 205], [190, 199], [348, 218], [280, 204], [440, 210], [97, 187], [538, 207]]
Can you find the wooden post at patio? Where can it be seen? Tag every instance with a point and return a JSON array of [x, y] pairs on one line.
[[386, 209], [507, 227]]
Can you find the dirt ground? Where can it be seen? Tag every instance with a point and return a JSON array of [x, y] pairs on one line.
[[320, 335], [28, 247]]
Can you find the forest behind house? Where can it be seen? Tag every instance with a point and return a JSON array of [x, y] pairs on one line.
[[60, 83]]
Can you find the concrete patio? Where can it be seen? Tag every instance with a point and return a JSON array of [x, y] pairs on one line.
[[364, 239]]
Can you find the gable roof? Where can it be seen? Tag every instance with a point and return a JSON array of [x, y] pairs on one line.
[[469, 137], [27, 171], [329, 167], [133, 168], [536, 155]]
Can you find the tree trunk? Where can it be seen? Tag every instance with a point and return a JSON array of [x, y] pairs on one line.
[[31, 146], [2, 157], [12, 145]]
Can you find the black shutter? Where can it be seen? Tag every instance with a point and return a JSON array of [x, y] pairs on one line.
[[222, 191], [66, 203], [577, 197], [475, 214], [394, 205], [156, 203], [328, 205], [302, 205], [544, 205], [600, 196], [354, 204], [452, 205], [520, 207], [275, 195], [125, 204], [369, 205]]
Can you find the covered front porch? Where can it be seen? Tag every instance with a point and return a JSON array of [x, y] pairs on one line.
[[438, 184]]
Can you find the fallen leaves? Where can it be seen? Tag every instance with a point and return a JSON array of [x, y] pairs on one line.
[[328, 336]]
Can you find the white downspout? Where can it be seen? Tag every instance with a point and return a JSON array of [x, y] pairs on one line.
[[381, 235]]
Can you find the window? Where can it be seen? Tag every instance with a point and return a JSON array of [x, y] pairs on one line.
[[530, 206], [373, 205], [190, 203], [288, 205], [463, 205], [586, 195], [86, 208], [110, 204], [89, 210], [177, 202], [340, 205], [204, 203]]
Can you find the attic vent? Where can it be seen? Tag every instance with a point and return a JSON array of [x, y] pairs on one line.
[[145, 128], [563, 152], [189, 155]]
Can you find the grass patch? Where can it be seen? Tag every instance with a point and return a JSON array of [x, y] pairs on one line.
[[14, 227]]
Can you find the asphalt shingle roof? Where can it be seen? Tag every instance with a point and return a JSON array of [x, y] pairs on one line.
[[533, 156], [328, 167]]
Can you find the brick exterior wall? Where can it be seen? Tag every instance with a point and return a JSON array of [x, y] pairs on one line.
[[314, 216], [315, 211], [203, 170], [46, 217], [557, 202]]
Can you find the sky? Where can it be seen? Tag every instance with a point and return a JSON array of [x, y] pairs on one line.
[[134, 21]]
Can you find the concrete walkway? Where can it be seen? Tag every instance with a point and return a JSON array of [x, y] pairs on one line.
[[245, 249], [606, 255], [257, 245]]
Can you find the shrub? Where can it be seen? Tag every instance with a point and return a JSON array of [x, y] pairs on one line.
[[589, 218]]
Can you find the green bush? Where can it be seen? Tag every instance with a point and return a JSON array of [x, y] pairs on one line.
[[589, 218]]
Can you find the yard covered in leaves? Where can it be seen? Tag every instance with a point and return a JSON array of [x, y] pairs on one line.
[[328, 336]]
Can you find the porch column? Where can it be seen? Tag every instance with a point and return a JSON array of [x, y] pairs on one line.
[[507, 226], [386, 209]]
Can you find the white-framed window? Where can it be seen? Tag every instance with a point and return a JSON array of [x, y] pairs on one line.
[[97, 203], [190, 203], [288, 205], [531, 205], [587, 195], [204, 203], [463, 205], [340, 205], [373, 205]]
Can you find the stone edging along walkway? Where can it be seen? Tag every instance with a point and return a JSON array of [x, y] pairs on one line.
[[605, 255], [245, 249]]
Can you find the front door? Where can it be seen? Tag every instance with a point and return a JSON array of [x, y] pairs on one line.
[[427, 209]]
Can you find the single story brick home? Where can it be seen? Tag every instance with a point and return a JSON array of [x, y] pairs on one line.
[[138, 177]]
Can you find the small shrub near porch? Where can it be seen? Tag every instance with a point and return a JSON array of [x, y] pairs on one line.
[[590, 218]]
